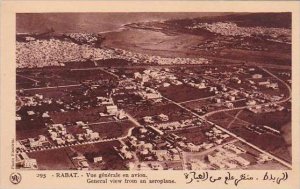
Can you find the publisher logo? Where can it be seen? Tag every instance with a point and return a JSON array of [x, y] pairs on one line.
[[15, 178]]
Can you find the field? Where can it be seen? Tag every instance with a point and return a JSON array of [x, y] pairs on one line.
[[183, 93], [62, 92], [272, 119], [174, 112], [87, 115], [278, 73], [30, 129], [112, 129], [57, 159], [275, 144], [45, 77], [197, 103], [111, 160], [221, 119], [80, 75], [193, 135], [266, 141], [276, 57], [61, 158]]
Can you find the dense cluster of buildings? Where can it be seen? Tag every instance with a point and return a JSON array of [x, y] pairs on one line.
[[232, 29], [83, 38], [54, 52], [149, 145]]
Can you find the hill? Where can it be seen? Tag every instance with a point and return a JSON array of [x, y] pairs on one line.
[[275, 20]]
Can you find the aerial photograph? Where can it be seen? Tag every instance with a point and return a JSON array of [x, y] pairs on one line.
[[153, 91]]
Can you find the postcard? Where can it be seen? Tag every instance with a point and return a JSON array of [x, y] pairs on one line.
[[132, 94]]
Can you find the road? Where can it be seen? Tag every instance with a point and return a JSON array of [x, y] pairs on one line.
[[198, 99], [232, 63], [234, 118], [28, 78], [133, 120], [97, 68], [54, 87], [102, 122]]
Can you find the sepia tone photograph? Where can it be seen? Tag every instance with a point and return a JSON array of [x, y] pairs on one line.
[[153, 91]]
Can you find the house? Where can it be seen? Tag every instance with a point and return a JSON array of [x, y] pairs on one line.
[[143, 130], [163, 117], [231, 98], [251, 102], [242, 161], [192, 147], [229, 105], [30, 113], [42, 138], [262, 158], [127, 155], [84, 164], [166, 84], [34, 143], [137, 75], [162, 155], [217, 100], [152, 96], [93, 136], [45, 115], [60, 141], [112, 109], [216, 160], [23, 161], [207, 146], [156, 166], [105, 101], [148, 119], [18, 118], [121, 114], [256, 76], [80, 123], [264, 83], [98, 159]]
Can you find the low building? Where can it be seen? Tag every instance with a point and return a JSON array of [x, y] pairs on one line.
[[98, 159], [256, 76], [251, 103], [264, 83], [163, 117], [112, 109], [242, 161], [24, 162], [148, 119]]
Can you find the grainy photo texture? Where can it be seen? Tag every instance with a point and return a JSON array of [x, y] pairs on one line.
[[153, 91]]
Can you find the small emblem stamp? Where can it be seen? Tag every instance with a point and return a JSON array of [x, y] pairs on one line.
[[15, 178]]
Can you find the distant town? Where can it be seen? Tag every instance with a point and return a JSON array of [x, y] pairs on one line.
[[84, 104]]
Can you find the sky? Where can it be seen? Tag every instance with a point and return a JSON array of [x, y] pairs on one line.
[[91, 22]]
